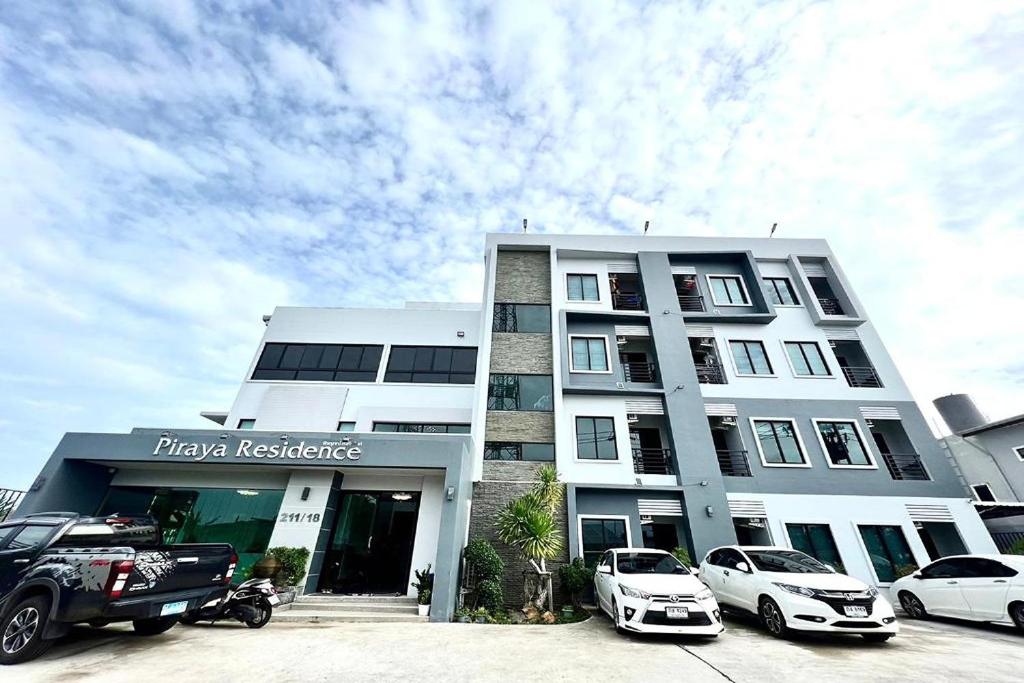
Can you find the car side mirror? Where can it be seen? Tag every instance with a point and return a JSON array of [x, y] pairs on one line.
[[743, 567], [695, 571], [604, 569], [917, 575]]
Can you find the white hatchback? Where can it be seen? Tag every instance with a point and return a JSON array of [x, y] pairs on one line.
[[975, 587], [789, 590], [650, 591]]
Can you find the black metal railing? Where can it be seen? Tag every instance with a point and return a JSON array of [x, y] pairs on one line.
[[627, 301], [652, 461], [905, 466], [9, 499], [710, 373], [638, 371], [733, 463], [862, 377], [691, 304], [830, 305]]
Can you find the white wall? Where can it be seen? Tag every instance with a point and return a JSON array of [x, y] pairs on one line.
[[595, 266]]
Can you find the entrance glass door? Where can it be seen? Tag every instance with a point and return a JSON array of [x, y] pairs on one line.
[[371, 544]]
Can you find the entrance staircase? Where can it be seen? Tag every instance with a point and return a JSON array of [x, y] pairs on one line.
[[325, 607]]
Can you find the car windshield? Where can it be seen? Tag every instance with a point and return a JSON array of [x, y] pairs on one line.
[[649, 563], [786, 562]]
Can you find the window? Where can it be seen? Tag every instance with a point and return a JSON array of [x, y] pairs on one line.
[[780, 291], [750, 358], [983, 492], [817, 541], [29, 537], [807, 359], [318, 362], [598, 535], [346, 427], [728, 290], [519, 392], [786, 562], [778, 442], [842, 443], [890, 555], [582, 287], [726, 557], [247, 423], [530, 452], [589, 354], [431, 364], [1019, 450], [595, 438], [522, 318], [420, 428]]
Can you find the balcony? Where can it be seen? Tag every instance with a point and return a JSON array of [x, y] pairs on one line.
[[830, 306], [733, 463], [627, 301], [862, 377], [906, 466], [652, 461], [710, 374], [691, 303], [638, 371]]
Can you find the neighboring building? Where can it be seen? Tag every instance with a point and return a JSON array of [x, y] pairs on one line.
[[990, 456]]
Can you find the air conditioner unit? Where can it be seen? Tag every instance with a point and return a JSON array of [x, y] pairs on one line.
[[728, 421], [707, 342], [620, 385], [620, 340], [632, 418]]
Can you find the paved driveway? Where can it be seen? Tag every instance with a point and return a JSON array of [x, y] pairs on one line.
[[934, 651]]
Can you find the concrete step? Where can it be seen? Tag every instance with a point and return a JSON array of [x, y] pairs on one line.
[[326, 599], [317, 616], [379, 607]]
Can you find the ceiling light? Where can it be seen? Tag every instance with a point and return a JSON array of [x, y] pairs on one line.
[[401, 495]]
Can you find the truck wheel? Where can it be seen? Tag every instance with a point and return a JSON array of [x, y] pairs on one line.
[[262, 617], [155, 626], [21, 630]]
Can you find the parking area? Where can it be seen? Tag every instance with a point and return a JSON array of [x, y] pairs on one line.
[[934, 650]]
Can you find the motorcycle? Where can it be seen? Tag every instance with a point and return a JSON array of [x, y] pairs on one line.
[[251, 603]]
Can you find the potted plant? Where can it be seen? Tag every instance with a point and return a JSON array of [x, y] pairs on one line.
[[462, 615], [423, 602], [480, 615]]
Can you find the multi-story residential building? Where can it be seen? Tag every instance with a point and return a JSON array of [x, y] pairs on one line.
[[691, 392]]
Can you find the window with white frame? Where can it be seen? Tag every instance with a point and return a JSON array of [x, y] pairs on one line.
[[598, 534], [778, 442], [582, 287], [807, 359], [728, 290], [983, 492], [843, 444], [750, 357], [780, 291], [1019, 450], [589, 354]]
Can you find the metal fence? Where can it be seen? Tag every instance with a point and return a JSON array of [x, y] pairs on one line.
[[9, 499], [1006, 539]]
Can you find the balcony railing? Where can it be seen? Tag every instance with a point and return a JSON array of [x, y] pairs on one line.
[[830, 306], [733, 463], [710, 374], [905, 466], [627, 301], [691, 304], [638, 371], [863, 377], [652, 461], [8, 501]]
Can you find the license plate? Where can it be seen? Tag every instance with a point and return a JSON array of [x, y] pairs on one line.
[[855, 611], [273, 600], [173, 608], [677, 612]]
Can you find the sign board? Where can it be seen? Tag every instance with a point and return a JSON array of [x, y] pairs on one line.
[[344, 450]]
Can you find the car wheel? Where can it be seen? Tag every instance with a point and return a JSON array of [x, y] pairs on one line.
[[772, 618], [263, 612], [155, 626], [1016, 611], [21, 630], [615, 617], [913, 606], [876, 637]]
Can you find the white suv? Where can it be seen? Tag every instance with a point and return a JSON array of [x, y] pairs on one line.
[[789, 590], [650, 591]]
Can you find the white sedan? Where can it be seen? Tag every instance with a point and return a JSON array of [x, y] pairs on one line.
[[650, 591], [789, 590], [975, 587]]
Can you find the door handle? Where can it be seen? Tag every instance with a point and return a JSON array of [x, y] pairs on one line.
[[951, 582], [999, 581], [726, 572], [188, 560]]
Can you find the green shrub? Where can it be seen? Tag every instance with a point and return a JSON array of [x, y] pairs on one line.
[[483, 560], [683, 555], [575, 576], [424, 580], [293, 564], [490, 596], [1017, 548], [423, 598]]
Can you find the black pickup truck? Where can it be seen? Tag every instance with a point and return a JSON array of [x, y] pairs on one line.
[[59, 568]]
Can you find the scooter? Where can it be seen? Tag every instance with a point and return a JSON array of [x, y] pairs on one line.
[[251, 603]]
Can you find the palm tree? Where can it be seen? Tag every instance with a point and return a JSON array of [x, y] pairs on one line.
[[528, 524]]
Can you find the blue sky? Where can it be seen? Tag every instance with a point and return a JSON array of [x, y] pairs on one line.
[[170, 171]]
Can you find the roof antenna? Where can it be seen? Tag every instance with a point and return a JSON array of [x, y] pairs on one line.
[[647, 224], [774, 225], [524, 225]]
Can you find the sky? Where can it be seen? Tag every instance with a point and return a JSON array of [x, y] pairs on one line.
[[170, 171]]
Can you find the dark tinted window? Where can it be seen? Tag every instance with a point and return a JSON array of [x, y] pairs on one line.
[[887, 547], [599, 535], [786, 562], [519, 392], [530, 452], [431, 364], [986, 569], [649, 563], [730, 558], [522, 318], [319, 362], [943, 569], [595, 438], [421, 428], [29, 537], [816, 540]]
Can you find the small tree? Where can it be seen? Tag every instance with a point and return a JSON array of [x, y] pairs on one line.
[[576, 576], [683, 555], [484, 569]]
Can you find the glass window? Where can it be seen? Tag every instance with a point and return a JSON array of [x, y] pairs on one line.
[[431, 364], [522, 318], [589, 354], [421, 428], [582, 287], [318, 362], [778, 442], [786, 562], [727, 290], [750, 357], [29, 537], [780, 291], [983, 492], [599, 535], [649, 563], [807, 359], [529, 452], [519, 392], [346, 426], [817, 541], [890, 555], [247, 423], [595, 438], [843, 444], [1019, 450]]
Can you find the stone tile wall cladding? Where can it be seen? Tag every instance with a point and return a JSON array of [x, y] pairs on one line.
[[523, 277], [527, 354]]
